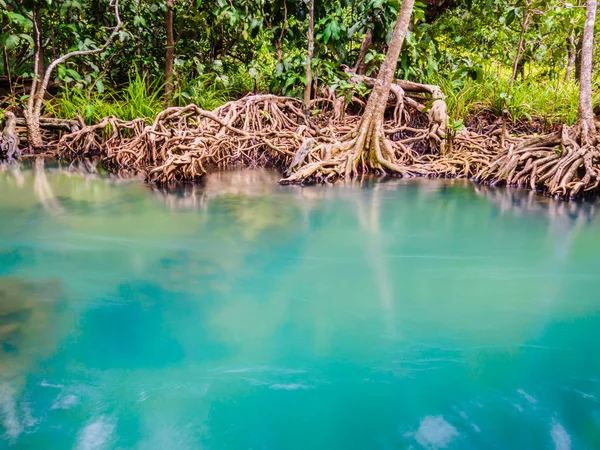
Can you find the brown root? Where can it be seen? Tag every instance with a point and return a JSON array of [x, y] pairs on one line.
[[562, 164], [182, 144]]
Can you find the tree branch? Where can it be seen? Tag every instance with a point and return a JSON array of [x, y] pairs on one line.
[[56, 62]]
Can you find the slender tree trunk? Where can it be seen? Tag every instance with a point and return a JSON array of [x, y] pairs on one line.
[[40, 82], [32, 116], [585, 111], [515, 70], [361, 68], [170, 53], [7, 71], [279, 40], [571, 51], [97, 11], [309, 57], [578, 48]]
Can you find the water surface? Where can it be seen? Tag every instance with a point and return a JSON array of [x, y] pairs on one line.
[[241, 314]]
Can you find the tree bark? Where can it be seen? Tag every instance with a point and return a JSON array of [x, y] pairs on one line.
[[7, 71], [370, 135], [170, 53], [379, 96], [309, 56], [515, 70], [34, 132], [361, 68], [571, 51], [585, 110], [578, 49], [39, 49]]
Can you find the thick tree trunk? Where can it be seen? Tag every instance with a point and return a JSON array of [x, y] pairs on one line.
[[378, 99], [571, 51], [170, 53], [585, 110], [370, 136], [309, 57], [366, 148], [361, 68]]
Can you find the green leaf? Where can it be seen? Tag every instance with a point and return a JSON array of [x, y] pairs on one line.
[[27, 38], [9, 41], [510, 17], [74, 74], [89, 111], [354, 28], [18, 19]]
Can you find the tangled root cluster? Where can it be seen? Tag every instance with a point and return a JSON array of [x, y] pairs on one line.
[[184, 143], [563, 164]]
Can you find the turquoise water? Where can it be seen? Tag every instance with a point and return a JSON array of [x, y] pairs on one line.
[[244, 315]]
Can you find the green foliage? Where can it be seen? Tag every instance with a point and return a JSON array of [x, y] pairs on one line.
[[137, 99], [228, 48], [554, 103]]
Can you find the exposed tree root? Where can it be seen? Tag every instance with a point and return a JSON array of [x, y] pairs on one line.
[[182, 144], [562, 164]]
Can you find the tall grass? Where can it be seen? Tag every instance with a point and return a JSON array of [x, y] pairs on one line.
[[140, 98], [137, 99], [206, 91], [552, 101]]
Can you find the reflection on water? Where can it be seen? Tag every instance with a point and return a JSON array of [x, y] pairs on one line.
[[243, 314]]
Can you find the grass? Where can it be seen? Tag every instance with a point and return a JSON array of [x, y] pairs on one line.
[[550, 100], [137, 99]]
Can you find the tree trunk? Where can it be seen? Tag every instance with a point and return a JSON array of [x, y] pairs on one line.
[[361, 68], [515, 70], [379, 96], [309, 57], [279, 39], [578, 49], [39, 84], [585, 110], [170, 53], [7, 71], [366, 148], [571, 51], [370, 135], [97, 12], [32, 114]]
